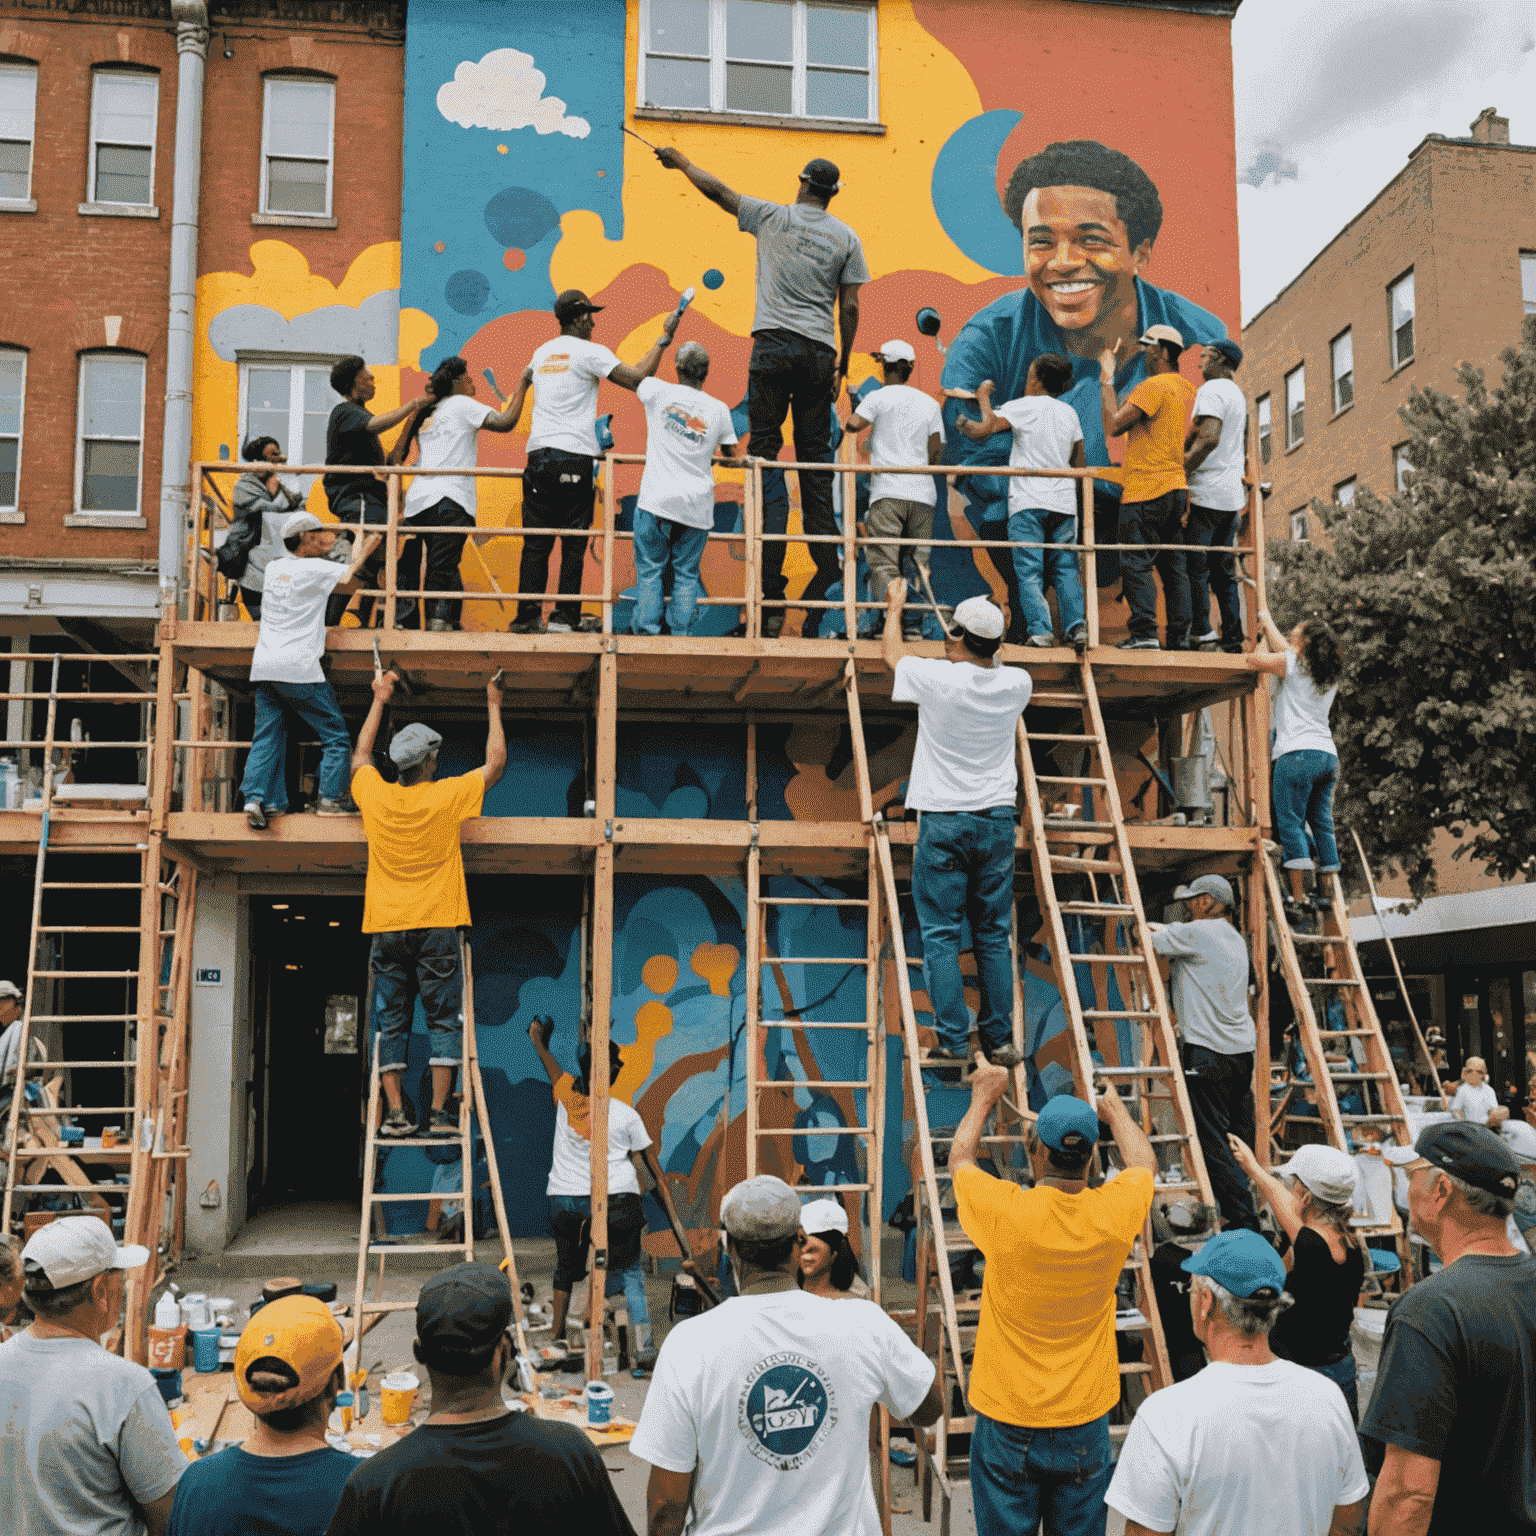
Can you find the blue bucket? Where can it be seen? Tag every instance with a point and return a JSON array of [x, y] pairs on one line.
[[205, 1350]]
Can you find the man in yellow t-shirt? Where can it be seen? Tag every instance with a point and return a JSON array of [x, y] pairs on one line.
[[415, 902], [1155, 498], [1046, 1372]]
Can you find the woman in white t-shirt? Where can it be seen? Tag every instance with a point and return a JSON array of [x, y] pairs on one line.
[[1306, 762], [1475, 1099]]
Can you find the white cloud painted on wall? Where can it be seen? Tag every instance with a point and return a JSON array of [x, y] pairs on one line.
[[505, 92]]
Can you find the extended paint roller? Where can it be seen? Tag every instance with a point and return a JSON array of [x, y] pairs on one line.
[[631, 132], [683, 303]]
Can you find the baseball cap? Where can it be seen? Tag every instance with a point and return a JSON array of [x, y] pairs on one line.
[[1468, 1152], [1329, 1173], [1067, 1124], [298, 1331], [296, 523], [760, 1209], [1520, 1138], [1163, 333], [896, 352], [10, 989], [1240, 1261], [1207, 885], [415, 744], [573, 302], [824, 1216], [981, 617], [1229, 350], [461, 1313], [74, 1249], [823, 174]]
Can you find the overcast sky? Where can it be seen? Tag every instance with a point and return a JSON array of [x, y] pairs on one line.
[[1333, 94]]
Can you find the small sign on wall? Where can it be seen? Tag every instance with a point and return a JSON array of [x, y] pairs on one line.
[[209, 976]]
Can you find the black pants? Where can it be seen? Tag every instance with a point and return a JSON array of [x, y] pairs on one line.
[[792, 373], [571, 1226], [431, 560], [252, 599], [557, 493], [1216, 573], [366, 503], [1221, 1095], [1160, 521]]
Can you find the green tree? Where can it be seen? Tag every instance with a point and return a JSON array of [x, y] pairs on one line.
[[1433, 592]]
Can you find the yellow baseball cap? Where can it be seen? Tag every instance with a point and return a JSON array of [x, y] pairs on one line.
[[297, 1332]]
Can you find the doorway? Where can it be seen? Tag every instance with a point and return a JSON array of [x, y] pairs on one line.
[[1493, 1013]]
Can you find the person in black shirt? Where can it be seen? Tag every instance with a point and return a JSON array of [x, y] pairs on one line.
[[1453, 1416], [474, 1467]]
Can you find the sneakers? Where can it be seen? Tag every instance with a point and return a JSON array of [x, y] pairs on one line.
[[559, 626], [1006, 1056], [444, 1122], [440, 626], [1078, 636], [1045, 642], [396, 1124], [645, 1363], [1139, 643], [773, 624], [324, 807], [528, 626], [255, 816], [1210, 637]]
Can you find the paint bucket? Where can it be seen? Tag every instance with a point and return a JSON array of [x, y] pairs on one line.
[[195, 1313], [205, 1350], [599, 1402], [167, 1348], [398, 1396]]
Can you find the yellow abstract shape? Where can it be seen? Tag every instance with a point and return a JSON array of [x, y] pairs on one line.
[[418, 330], [659, 973], [653, 1022], [716, 963]]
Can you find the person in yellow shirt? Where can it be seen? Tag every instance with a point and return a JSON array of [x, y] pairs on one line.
[[415, 902], [1046, 1373], [1155, 497]]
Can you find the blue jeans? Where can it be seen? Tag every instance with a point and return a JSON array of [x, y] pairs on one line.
[[266, 781], [659, 542], [1303, 788], [1035, 568], [963, 868], [1051, 1479], [1214, 573], [1343, 1372], [412, 963]]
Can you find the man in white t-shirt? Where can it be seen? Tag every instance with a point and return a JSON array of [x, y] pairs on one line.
[[1047, 434], [562, 454], [684, 428], [1215, 460], [758, 1419], [964, 783], [285, 667], [1252, 1443], [1475, 1099], [908, 428]]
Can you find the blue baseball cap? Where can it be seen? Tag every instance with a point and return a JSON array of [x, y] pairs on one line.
[[1067, 1124], [1229, 349], [1240, 1261]]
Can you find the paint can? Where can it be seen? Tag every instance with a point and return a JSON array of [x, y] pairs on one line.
[[167, 1348], [195, 1311], [397, 1394], [205, 1350], [599, 1403]]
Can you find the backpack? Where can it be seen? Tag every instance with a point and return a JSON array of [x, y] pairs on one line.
[[236, 549]]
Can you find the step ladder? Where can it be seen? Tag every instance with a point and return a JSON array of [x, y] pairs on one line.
[[473, 1116]]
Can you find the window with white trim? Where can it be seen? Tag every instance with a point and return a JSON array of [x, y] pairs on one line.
[[779, 58], [1528, 281], [1295, 406], [13, 390], [1401, 309], [124, 107], [1265, 440], [110, 433], [18, 117], [291, 401], [297, 146], [1300, 527], [1344, 491], [1343, 356]]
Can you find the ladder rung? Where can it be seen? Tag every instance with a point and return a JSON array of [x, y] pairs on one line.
[[1051, 778], [1057, 736], [92, 885], [1317, 938], [26, 1155], [1008, 1141], [43, 1066], [1057, 700], [1152, 1071], [817, 1130], [1369, 1119], [1360, 1077], [1330, 981], [1170, 1136], [43, 1112], [807, 1024], [834, 1189], [1079, 908], [1135, 1367], [124, 928], [389, 1306], [89, 975], [374, 1248], [810, 1082], [1071, 824], [1098, 866], [1118, 1013], [1109, 959], [816, 960], [425, 1194], [812, 901], [1342, 1034], [389, 1143], [84, 1018]]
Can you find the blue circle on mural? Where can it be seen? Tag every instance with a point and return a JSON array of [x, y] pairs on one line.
[[714, 278], [519, 216], [787, 1409], [467, 292]]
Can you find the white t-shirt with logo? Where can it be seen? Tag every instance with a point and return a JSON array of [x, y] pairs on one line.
[[966, 718], [1218, 483], [901, 419], [1239, 1449], [566, 373], [769, 1396], [449, 439], [291, 640], [1300, 712], [1045, 431], [683, 426], [570, 1171]]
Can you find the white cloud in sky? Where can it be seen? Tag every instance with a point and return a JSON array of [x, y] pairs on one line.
[[505, 92]]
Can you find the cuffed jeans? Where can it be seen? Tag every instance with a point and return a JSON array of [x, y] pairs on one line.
[[557, 493], [431, 560], [1214, 573], [1221, 1095], [1160, 521], [1034, 569], [963, 868], [660, 542], [266, 780], [412, 963], [1053, 1480], [1302, 786]]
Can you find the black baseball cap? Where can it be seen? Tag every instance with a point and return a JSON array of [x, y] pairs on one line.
[[823, 175], [461, 1315], [574, 302], [1472, 1153]]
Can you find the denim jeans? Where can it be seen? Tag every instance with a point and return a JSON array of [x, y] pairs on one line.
[[1035, 568], [557, 493], [1343, 1372], [315, 704], [1160, 521], [1214, 573], [412, 963], [431, 560], [963, 868], [1048, 1479], [1303, 786], [1221, 1097], [660, 542], [632, 1282]]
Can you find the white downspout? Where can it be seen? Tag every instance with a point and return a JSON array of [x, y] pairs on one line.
[[176, 450]]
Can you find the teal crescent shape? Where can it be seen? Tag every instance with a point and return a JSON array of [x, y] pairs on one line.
[[965, 196]]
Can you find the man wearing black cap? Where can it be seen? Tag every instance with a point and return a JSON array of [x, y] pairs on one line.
[[1215, 459], [807, 261], [473, 1466], [562, 453], [1453, 1417]]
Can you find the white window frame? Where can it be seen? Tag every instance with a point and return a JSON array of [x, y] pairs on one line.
[[137, 510], [1299, 371], [1400, 465], [1528, 281], [266, 155], [1301, 527], [154, 140], [31, 141], [1399, 361], [1263, 416], [297, 364], [717, 62], [1345, 379], [21, 425], [1344, 492]]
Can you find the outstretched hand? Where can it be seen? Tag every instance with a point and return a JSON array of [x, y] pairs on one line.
[[541, 1030], [673, 159], [1109, 361], [493, 692], [384, 687], [989, 1083], [896, 593], [1243, 1154]]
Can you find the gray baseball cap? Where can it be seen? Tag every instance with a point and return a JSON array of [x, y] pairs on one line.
[[415, 744], [10, 989], [761, 1209], [1207, 885]]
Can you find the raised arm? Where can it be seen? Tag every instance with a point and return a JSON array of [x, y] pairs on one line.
[[1117, 417], [349, 582], [1282, 1201], [989, 422], [988, 1085], [378, 424], [1135, 1148], [495, 736], [711, 186], [630, 378], [892, 646], [847, 328], [511, 408], [1272, 660], [540, 1032], [383, 691], [1277, 641]]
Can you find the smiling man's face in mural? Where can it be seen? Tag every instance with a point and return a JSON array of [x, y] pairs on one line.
[[1080, 264]]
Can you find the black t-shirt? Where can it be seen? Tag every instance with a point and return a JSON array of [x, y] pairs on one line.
[[1457, 1383], [1315, 1331], [512, 1474], [348, 441]]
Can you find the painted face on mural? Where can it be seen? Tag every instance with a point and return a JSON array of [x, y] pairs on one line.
[[1080, 264]]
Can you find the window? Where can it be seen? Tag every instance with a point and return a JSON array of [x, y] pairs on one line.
[[13, 382], [1264, 438], [296, 143], [289, 401], [123, 111], [1400, 466], [1528, 280], [1295, 406], [1344, 492], [1343, 351], [785, 58], [18, 111], [1300, 527], [1400, 299], [111, 432]]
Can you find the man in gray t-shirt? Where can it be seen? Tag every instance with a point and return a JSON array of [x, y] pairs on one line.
[[807, 263], [1208, 986]]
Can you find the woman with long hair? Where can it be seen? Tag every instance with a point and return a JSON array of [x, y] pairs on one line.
[[1306, 763], [265, 500], [828, 1266]]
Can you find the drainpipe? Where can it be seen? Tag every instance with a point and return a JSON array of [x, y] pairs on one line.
[[176, 450]]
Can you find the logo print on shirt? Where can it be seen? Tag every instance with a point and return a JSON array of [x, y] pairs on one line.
[[786, 1410], [556, 362], [692, 427]]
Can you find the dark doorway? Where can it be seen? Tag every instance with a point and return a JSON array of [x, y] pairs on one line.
[[1488, 1011]]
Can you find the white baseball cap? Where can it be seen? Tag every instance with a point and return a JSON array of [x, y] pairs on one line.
[[897, 351], [10, 989], [981, 617], [1520, 1137], [297, 523], [824, 1216], [77, 1248], [1329, 1173]]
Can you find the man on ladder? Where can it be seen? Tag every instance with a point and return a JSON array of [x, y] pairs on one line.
[[415, 903]]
